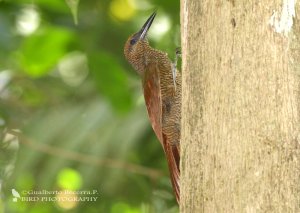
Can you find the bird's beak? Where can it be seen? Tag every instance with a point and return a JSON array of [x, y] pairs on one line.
[[146, 27]]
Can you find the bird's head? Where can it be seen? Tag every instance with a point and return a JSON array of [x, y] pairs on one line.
[[136, 47]]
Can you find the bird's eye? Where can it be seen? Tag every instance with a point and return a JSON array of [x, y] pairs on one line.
[[132, 41]]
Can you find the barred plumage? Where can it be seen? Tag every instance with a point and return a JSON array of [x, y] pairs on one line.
[[162, 97]]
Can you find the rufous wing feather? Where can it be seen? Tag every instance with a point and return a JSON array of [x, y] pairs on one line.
[[153, 100], [152, 95]]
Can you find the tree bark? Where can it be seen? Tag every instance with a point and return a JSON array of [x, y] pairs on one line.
[[240, 143]]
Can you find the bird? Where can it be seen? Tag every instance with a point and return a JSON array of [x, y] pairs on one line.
[[162, 93]]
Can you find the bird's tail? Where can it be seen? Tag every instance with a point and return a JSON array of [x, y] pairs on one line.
[[173, 157]]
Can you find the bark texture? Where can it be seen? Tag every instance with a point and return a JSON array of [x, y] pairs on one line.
[[240, 144]]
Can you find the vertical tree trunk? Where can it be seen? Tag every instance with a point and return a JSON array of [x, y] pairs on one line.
[[240, 146]]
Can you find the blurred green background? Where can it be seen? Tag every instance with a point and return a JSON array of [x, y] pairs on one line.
[[72, 114]]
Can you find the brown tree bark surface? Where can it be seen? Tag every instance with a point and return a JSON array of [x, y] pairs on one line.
[[240, 143]]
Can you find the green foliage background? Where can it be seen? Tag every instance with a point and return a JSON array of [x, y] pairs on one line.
[[72, 115]]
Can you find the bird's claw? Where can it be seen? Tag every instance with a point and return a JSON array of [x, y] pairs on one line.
[[178, 52]]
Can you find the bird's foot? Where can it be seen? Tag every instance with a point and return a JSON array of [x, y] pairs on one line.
[[178, 52]]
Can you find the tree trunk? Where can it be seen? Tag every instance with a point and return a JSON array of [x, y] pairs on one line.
[[240, 145]]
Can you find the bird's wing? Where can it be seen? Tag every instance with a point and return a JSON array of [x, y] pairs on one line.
[[153, 99], [152, 95]]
